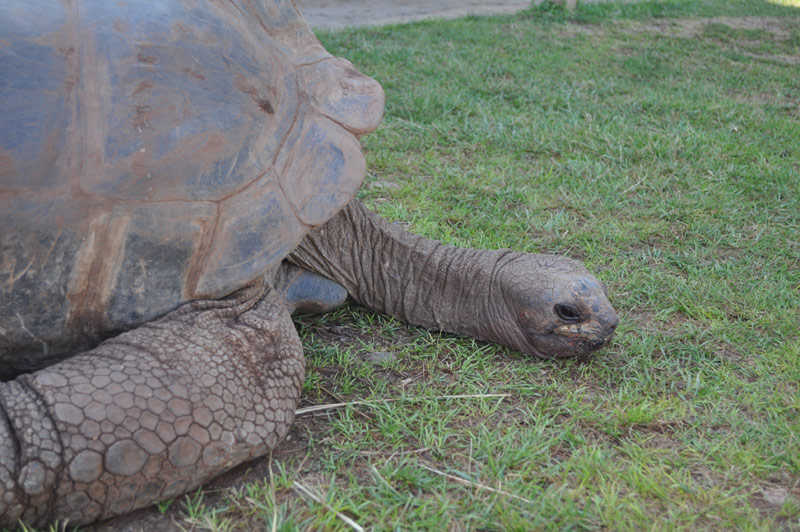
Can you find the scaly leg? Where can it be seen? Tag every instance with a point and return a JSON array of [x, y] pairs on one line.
[[151, 413]]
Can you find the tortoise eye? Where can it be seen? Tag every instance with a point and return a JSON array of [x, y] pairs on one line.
[[567, 313]]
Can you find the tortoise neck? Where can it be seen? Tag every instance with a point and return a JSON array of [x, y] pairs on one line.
[[412, 278]]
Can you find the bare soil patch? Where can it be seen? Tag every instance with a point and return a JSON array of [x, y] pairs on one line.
[[688, 28], [334, 14], [693, 27]]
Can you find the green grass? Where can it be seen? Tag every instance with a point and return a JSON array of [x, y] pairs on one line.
[[658, 146]]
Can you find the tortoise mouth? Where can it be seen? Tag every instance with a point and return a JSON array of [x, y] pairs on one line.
[[555, 345]]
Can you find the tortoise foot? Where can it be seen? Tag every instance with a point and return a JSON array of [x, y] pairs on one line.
[[309, 293]]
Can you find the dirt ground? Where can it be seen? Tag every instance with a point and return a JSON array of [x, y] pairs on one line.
[[333, 14]]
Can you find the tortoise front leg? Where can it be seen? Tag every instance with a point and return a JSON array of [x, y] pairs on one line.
[[151, 413]]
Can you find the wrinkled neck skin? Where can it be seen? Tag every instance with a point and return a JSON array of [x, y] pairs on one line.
[[493, 295], [414, 279]]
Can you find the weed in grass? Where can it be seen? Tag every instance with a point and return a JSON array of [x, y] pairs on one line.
[[193, 505], [163, 506]]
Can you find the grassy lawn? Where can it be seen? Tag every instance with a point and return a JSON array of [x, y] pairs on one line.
[[657, 142]]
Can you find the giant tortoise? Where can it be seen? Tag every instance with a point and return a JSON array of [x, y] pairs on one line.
[[176, 178]]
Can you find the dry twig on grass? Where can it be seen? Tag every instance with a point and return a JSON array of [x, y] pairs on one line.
[[331, 406], [305, 492], [473, 484]]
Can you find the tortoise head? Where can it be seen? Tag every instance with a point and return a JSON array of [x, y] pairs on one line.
[[555, 308]]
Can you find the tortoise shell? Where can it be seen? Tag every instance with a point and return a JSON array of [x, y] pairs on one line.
[[155, 153]]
